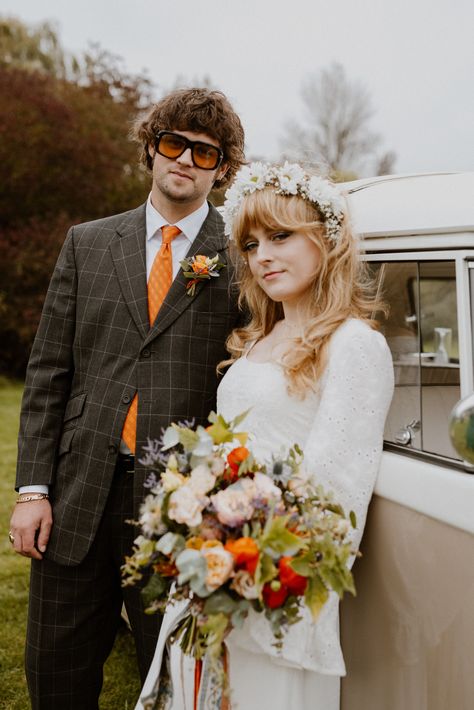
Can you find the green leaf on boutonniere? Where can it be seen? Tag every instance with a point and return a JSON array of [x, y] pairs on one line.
[[200, 268]]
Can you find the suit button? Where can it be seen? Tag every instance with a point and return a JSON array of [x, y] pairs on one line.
[[126, 398], [146, 353], [112, 449]]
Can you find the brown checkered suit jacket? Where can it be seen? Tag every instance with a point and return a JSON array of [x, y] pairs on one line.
[[94, 349]]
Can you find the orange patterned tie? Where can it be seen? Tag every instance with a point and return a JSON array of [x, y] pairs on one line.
[[159, 282]]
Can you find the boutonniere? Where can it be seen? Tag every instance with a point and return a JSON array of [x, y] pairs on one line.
[[200, 268]]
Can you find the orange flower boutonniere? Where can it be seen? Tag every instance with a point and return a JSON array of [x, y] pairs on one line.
[[199, 268]]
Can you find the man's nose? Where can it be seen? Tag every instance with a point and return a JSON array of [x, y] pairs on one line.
[[185, 158]]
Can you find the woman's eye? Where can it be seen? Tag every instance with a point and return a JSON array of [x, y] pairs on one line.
[[280, 236], [249, 246]]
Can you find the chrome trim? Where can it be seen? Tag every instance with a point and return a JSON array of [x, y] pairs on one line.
[[435, 459], [382, 179]]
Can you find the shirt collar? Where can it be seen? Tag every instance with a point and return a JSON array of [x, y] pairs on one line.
[[190, 225]]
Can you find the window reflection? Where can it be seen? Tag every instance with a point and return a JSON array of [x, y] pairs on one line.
[[422, 333]]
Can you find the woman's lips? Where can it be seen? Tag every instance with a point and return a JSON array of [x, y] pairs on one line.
[[271, 275]]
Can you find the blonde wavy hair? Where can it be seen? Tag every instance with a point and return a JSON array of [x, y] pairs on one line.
[[342, 288]]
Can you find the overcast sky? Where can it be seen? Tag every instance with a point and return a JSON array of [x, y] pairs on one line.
[[415, 57]]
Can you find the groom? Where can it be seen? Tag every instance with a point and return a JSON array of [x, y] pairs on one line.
[[122, 350]]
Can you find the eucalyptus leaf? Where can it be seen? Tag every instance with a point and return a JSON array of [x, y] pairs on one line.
[[240, 614], [220, 602], [192, 568], [170, 542], [155, 589], [170, 438]]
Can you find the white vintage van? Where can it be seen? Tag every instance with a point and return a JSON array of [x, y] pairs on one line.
[[408, 636]]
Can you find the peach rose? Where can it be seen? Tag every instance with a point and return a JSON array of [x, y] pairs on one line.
[[220, 565]]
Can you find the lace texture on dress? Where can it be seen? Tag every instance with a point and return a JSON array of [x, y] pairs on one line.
[[340, 429]]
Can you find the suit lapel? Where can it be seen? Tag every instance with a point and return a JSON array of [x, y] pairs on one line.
[[209, 241], [128, 254]]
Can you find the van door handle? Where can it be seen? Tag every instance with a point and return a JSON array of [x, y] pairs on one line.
[[405, 435]]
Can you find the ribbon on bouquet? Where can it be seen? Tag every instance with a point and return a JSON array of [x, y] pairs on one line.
[[210, 689], [209, 692], [157, 692]]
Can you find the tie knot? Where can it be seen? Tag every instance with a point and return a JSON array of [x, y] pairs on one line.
[[169, 232]]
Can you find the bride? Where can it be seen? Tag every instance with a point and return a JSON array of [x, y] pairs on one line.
[[313, 370]]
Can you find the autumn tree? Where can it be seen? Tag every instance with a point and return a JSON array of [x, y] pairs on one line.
[[65, 157], [35, 48], [335, 131]]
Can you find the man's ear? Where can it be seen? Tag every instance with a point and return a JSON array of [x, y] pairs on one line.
[[222, 171], [151, 155]]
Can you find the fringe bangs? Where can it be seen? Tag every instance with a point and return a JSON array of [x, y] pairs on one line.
[[267, 210]]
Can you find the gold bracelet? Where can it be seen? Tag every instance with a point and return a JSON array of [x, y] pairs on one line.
[[31, 496]]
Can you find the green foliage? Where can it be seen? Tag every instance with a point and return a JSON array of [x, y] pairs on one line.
[[278, 539], [65, 157], [31, 48], [266, 570], [213, 631], [188, 439], [315, 595], [155, 587]]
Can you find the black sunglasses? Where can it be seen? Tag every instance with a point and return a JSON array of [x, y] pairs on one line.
[[172, 145]]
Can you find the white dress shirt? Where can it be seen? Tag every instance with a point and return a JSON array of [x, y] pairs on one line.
[[190, 227]]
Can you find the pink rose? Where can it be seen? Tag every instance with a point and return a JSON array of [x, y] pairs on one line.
[[234, 504]]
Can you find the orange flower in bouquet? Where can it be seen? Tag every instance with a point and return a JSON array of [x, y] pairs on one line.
[[234, 458], [294, 582], [246, 553]]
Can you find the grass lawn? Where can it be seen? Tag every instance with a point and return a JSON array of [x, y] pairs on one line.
[[121, 684]]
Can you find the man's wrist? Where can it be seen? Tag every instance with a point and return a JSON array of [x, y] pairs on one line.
[[33, 489]]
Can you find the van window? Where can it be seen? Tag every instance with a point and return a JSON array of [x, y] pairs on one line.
[[422, 333]]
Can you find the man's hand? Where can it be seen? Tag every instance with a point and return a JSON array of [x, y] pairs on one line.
[[30, 527]]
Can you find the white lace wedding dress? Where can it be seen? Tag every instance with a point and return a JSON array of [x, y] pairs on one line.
[[340, 430]]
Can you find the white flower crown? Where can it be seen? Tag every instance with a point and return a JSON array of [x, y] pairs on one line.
[[289, 179]]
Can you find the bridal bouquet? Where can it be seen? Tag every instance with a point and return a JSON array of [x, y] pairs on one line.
[[230, 533]]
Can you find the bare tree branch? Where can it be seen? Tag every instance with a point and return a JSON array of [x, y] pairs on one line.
[[335, 131]]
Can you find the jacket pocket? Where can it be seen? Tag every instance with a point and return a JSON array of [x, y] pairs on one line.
[[66, 441], [74, 407]]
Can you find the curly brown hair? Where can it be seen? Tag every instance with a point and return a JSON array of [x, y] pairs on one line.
[[201, 111]]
